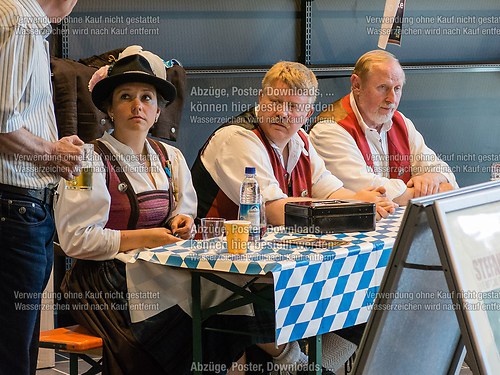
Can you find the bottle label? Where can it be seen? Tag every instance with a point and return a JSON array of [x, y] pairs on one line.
[[251, 212]]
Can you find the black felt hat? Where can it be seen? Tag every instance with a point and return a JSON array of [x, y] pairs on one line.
[[141, 66]]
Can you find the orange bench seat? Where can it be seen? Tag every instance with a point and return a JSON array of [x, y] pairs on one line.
[[78, 342], [72, 338]]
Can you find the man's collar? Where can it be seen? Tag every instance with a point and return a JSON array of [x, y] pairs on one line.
[[294, 143], [36, 19]]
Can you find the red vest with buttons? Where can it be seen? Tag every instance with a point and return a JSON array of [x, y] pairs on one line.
[[213, 202], [397, 138], [299, 183]]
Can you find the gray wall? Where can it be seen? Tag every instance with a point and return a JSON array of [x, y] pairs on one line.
[[456, 111], [198, 33], [343, 29]]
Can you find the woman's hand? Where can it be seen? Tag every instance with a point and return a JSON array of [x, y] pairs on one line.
[[182, 226], [150, 237], [162, 236]]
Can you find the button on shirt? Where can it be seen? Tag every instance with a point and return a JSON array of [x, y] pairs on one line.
[[25, 88], [344, 159]]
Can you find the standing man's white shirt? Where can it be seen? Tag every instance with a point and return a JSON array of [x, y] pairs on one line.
[[344, 159]]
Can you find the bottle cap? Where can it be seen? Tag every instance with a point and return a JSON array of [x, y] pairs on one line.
[[249, 170]]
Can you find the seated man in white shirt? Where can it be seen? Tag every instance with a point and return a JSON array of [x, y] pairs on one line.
[[269, 137], [364, 140]]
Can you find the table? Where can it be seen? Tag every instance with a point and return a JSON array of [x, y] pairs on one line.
[[316, 290]]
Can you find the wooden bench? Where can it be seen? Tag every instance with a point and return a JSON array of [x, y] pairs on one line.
[[76, 341]]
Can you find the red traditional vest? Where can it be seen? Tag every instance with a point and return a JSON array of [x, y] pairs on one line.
[[129, 210], [213, 202], [397, 138], [299, 184]]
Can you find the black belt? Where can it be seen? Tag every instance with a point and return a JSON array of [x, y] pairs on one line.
[[45, 195]]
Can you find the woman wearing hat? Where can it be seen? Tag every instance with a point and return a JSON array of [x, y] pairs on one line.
[[142, 196]]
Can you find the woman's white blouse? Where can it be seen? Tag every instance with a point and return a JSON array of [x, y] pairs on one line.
[[81, 215]]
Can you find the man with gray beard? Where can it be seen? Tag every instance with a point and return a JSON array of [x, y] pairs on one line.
[[365, 141]]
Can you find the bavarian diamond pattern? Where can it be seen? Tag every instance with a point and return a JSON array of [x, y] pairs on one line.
[[316, 290]]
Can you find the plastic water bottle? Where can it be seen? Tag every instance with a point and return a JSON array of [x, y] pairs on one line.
[[250, 203]]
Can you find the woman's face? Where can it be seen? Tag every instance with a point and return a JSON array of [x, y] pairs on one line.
[[134, 106]]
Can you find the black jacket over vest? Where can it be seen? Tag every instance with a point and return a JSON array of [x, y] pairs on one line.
[[205, 186]]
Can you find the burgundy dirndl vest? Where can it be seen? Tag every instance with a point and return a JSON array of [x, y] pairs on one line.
[[129, 210]]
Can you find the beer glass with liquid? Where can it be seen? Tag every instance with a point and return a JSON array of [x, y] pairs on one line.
[[84, 180]]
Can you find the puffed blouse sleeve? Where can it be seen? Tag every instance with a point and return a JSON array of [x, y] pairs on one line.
[[81, 216], [186, 200]]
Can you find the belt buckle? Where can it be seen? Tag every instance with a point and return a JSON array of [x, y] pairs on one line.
[[49, 193]]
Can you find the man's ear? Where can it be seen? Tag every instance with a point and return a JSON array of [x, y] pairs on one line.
[[355, 83]]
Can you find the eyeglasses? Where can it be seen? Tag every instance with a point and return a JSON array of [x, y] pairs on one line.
[[275, 105]]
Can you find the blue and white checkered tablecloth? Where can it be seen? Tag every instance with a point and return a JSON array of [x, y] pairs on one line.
[[316, 290]]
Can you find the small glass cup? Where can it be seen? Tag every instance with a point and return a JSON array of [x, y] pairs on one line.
[[84, 180], [212, 227]]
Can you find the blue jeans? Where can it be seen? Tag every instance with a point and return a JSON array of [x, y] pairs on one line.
[[26, 255]]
